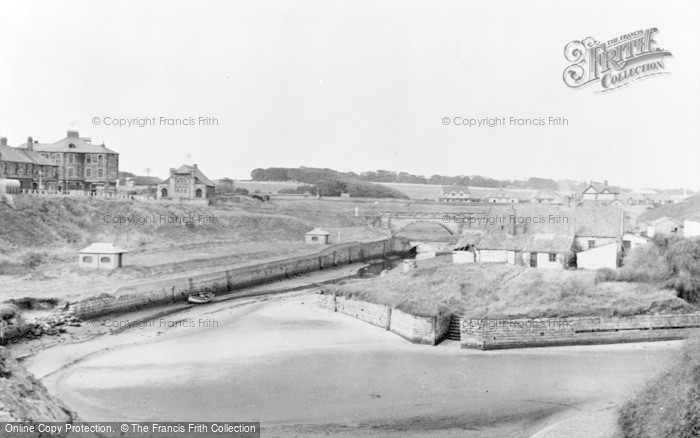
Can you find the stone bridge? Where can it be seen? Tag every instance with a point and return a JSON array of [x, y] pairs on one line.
[[453, 222]]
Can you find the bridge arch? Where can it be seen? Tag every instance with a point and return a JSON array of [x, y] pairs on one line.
[[399, 225]]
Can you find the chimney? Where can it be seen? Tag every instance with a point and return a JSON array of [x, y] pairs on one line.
[[30, 144], [72, 134], [605, 183], [194, 165], [3, 141]]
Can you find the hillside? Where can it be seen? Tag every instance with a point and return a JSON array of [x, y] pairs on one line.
[[689, 209], [40, 238]]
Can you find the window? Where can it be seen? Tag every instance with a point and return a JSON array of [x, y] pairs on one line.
[[591, 244], [99, 159], [314, 238], [552, 257], [88, 173], [100, 173], [105, 260], [88, 159], [71, 172], [71, 158], [87, 259]]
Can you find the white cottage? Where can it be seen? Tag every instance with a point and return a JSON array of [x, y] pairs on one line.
[[101, 256], [317, 236]]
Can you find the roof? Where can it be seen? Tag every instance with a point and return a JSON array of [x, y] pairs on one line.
[[103, 248], [318, 232], [601, 188], [467, 240], [520, 242], [18, 155], [663, 219], [598, 221], [186, 169], [81, 145], [456, 189], [503, 242], [549, 243]]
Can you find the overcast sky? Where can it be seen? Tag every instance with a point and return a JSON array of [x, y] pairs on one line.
[[353, 86]]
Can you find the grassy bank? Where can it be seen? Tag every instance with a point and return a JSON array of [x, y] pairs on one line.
[[500, 291], [40, 238], [669, 406]]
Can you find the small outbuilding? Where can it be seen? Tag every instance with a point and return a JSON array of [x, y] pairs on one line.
[[101, 256], [317, 236]]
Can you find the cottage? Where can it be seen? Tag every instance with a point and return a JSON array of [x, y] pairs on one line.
[[454, 194], [101, 256], [317, 236], [546, 251], [665, 225]]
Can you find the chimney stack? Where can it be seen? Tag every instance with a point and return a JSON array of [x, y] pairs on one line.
[[194, 165], [3, 141], [30, 144], [72, 134]]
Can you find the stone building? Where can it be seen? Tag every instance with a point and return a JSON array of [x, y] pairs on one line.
[[30, 168], [186, 183], [82, 165]]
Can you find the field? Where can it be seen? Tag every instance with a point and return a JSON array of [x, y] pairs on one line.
[[416, 191], [40, 239], [506, 291]]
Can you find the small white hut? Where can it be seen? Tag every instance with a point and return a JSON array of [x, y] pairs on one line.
[[317, 236], [101, 256]]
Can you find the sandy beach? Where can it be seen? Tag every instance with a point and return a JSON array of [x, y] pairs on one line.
[[304, 371]]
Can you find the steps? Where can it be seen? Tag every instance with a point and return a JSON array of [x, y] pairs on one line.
[[454, 331]]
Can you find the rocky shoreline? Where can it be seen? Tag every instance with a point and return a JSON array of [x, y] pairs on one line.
[[22, 396]]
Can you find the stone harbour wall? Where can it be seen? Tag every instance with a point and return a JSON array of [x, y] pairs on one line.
[[485, 334], [169, 291], [417, 329]]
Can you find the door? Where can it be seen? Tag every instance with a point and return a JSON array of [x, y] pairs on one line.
[[533, 259]]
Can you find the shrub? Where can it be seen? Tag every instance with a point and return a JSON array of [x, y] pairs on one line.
[[8, 311], [34, 259]]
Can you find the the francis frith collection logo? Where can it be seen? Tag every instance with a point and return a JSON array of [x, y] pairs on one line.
[[614, 63]]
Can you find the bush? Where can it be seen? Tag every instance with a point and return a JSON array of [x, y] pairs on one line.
[[34, 259], [673, 262], [8, 311]]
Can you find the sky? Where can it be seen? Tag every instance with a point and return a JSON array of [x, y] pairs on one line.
[[353, 86]]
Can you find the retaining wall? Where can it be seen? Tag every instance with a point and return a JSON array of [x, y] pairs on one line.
[[417, 329], [169, 291], [519, 333]]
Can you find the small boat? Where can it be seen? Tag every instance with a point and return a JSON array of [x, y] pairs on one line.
[[201, 298]]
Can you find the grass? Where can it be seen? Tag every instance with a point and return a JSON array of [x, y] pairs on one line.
[[668, 406], [45, 231], [506, 291]]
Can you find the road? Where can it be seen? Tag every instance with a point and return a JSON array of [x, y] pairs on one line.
[[304, 371]]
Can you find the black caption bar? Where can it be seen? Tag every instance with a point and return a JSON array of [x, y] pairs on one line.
[[144, 429]]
